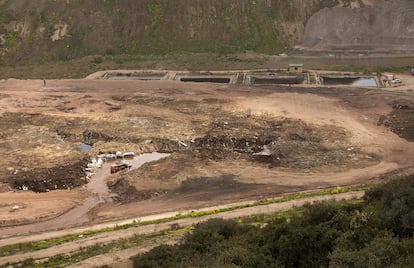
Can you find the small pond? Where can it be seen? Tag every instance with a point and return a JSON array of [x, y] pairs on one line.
[[85, 148]]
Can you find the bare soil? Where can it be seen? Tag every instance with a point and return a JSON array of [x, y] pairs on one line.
[[109, 237], [43, 180], [18, 208], [227, 142]]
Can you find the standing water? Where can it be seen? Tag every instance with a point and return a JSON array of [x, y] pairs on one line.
[[79, 215], [85, 148], [98, 181], [366, 82]]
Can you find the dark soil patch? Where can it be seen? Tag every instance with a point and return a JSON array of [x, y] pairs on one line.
[[91, 136], [13, 121], [272, 160], [127, 193], [402, 120], [216, 147], [46, 179], [210, 188], [279, 143], [185, 106]]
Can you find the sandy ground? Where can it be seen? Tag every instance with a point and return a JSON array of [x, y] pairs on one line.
[[407, 82], [42, 127], [15, 206]]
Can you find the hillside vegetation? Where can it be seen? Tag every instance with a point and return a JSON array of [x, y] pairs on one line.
[[377, 232], [43, 31]]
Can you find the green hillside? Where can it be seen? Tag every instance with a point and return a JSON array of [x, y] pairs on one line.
[[42, 31]]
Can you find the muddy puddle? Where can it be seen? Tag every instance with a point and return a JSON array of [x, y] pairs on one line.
[[98, 182], [366, 82], [79, 215], [85, 148]]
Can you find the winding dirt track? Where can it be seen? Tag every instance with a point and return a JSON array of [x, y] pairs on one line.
[[109, 237], [79, 214], [356, 111]]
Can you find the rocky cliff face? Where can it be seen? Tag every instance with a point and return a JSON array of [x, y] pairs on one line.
[[387, 26], [41, 30]]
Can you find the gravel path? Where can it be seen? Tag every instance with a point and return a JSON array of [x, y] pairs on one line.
[[113, 236]]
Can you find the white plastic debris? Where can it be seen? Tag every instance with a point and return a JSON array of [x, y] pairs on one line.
[[129, 154], [99, 163]]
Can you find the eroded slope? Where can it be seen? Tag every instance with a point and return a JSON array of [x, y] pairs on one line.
[[387, 26]]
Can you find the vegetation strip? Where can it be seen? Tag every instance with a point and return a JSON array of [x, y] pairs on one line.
[[38, 245], [98, 249], [140, 240]]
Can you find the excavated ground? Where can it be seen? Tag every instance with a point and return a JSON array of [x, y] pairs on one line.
[[257, 140], [227, 142], [401, 119], [43, 180]]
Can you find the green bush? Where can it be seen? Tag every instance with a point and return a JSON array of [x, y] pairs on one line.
[[375, 233], [395, 205]]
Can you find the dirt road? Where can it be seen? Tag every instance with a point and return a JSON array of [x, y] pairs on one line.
[[228, 143], [109, 237]]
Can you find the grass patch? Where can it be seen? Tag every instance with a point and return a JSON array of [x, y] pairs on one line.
[[369, 69], [80, 68], [34, 246], [98, 249], [286, 214]]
